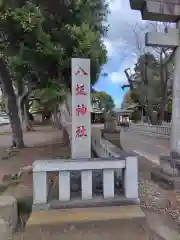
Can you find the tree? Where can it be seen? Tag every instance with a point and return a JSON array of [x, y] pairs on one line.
[[79, 27], [149, 83], [153, 71], [11, 106], [103, 101], [47, 99], [127, 100], [40, 40], [20, 21], [46, 37]]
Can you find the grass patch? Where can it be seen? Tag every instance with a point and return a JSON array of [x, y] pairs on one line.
[[4, 133]]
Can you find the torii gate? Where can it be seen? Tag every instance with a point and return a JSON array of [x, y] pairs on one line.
[[166, 11]]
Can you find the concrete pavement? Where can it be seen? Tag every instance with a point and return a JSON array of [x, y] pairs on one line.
[[146, 146]]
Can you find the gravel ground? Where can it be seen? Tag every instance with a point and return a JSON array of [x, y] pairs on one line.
[[154, 198], [166, 203]]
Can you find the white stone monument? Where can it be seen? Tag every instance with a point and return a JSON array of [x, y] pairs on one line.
[[81, 109]]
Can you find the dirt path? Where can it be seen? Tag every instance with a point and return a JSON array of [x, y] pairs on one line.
[[119, 230], [44, 143]]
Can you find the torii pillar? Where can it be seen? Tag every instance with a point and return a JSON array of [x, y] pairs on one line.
[[171, 39]]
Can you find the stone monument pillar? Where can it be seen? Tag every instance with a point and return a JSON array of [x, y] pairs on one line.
[[81, 109]]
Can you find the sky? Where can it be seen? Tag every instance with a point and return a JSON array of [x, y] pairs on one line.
[[121, 46]]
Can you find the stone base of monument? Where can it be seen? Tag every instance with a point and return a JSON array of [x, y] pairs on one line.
[[79, 215], [168, 175], [164, 180]]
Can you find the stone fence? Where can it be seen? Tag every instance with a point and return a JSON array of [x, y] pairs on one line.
[[85, 167], [111, 164], [64, 167], [163, 131]]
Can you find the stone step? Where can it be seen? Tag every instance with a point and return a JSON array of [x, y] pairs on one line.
[[88, 223], [96, 201], [83, 215]]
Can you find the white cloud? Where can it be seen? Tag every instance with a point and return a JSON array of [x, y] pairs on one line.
[[118, 77], [109, 47], [121, 41]]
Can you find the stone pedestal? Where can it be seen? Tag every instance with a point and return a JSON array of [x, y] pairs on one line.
[[4, 230], [170, 165], [169, 171], [8, 211], [110, 124]]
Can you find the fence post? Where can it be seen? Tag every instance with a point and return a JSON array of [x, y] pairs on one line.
[[131, 177], [64, 186], [86, 184], [39, 187], [108, 183]]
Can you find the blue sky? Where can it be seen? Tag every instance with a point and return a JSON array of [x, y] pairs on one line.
[[121, 46]]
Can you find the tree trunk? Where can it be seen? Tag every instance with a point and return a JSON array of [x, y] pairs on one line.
[[164, 81], [12, 109], [27, 123], [161, 111]]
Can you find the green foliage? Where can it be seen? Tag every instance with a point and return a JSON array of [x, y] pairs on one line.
[[169, 105], [39, 38], [46, 36], [147, 87], [47, 98], [87, 43], [147, 75], [128, 99], [33, 56], [136, 116], [103, 100]]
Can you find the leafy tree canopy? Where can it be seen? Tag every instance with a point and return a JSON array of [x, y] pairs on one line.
[[103, 101], [41, 37]]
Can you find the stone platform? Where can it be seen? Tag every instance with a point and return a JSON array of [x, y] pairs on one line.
[[168, 175], [91, 224], [78, 215], [164, 180]]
